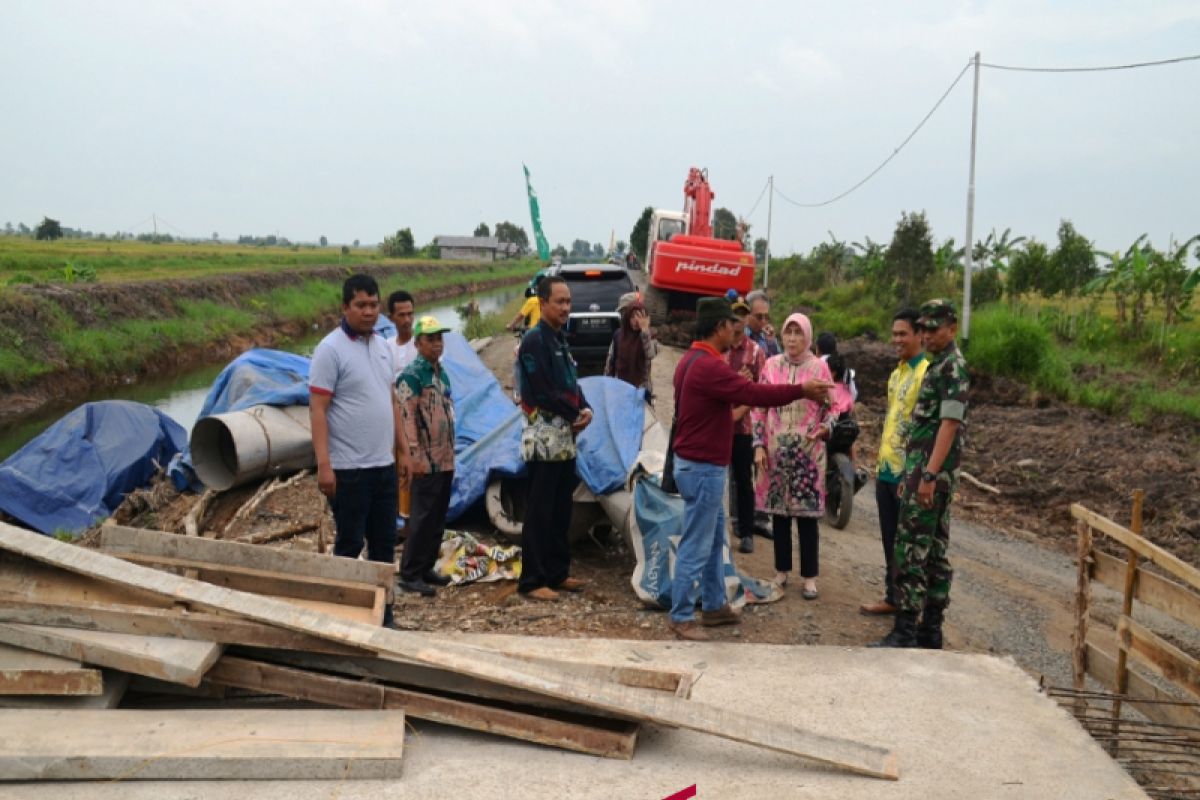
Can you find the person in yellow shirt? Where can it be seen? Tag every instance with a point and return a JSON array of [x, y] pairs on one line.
[[531, 312], [903, 387]]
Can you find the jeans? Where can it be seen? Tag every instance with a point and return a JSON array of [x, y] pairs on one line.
[[698, 556]]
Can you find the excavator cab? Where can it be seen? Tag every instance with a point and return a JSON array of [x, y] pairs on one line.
[[683, 260]]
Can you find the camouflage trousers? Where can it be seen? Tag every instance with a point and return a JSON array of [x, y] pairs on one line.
[[923, 571]]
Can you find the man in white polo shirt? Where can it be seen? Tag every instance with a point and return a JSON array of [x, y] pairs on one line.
[[356, 427], [401, 310]]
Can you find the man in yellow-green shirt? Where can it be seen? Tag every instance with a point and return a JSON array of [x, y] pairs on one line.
[[903, 387]]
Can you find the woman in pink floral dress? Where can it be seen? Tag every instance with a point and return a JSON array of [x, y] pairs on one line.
[[789, 449]]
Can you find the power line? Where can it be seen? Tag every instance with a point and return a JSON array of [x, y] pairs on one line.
[[895, 152], [759, 200], [1109, 68]]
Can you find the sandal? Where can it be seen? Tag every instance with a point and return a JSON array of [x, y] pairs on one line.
[[781, 579], [809, 593]]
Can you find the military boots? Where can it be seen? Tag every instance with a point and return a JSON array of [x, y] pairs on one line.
[[904, 634], [929, 632]]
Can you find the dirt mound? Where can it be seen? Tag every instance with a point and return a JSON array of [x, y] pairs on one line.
[[1044, 455]]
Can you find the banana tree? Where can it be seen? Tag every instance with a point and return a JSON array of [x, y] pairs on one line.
[[1173, 282], [1128, 277]]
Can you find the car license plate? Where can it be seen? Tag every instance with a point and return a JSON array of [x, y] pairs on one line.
[[594, 323]]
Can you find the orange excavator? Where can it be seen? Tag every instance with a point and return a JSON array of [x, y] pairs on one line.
[[683, 260]]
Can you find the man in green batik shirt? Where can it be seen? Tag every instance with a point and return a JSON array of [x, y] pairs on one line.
[[932, 458]]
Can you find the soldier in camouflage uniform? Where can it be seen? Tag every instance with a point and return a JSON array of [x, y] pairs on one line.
[[932, 458]]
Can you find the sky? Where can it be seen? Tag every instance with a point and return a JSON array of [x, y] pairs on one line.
[[356, 118]]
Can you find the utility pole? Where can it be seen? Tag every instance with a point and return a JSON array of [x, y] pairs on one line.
[[968, 265], [770, 208], [155, 218]]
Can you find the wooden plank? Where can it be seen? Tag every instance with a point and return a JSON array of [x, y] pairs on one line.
[[1143, 695], [119, 539], [1162, 657], [27, 672], [28, 580], [595, 737], [411, 675], [176, 660], [1144, 548], [1083, 601], [112, 692], [258, 581], [656, 707], [221, 744], [173, 622], [1150, 588]]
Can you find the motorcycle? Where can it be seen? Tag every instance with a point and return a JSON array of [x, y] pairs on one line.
[[842, 480]]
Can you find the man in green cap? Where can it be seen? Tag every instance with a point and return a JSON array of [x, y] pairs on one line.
[[423, 391], [932, 458], [706, 391]]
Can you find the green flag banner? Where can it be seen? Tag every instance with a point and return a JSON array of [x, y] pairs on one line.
[[543, 246]]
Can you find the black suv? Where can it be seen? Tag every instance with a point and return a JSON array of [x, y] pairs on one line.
[[595, 290]]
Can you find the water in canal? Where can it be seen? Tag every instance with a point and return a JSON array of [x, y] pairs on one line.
[[181, 396]]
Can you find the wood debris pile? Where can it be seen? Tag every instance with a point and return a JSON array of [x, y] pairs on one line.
[[163, 656]]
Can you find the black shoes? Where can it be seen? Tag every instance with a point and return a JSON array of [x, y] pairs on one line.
[[747, 544], [436, 579], [929, 631], [904, 634], [418, 586]]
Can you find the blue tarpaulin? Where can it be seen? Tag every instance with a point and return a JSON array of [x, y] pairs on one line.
[[657, 528], [81, 467], [487, 423], [488, 429]]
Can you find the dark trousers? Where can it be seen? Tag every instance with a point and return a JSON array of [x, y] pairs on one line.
[[741, 469], [810, 544], [888, 502], [545, 552], [426, 524], [364, 509]]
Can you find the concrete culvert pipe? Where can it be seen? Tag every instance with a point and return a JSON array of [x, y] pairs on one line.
[[255, 443]]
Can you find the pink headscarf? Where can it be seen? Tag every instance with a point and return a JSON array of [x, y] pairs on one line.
[[806, 354]]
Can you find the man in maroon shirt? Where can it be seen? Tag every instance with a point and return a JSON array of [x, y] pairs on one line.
[[706, 390]]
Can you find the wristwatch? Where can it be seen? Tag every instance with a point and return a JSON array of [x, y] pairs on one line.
[[928, 477]]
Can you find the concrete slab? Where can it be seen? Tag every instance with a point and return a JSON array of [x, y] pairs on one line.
[[962, 725]]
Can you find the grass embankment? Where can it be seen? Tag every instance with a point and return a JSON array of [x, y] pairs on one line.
[[1072, 350], [105, 331], [26, 261]]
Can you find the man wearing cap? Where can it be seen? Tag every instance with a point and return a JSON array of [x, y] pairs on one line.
[[706, 390], [932, 457], [746, 358], [423, 391], [357, 435], [555, 413]]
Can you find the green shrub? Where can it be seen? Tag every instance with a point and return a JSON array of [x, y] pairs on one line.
[[1006, 343]]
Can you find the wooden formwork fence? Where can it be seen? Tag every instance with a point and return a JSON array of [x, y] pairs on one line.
[[1147, 672]]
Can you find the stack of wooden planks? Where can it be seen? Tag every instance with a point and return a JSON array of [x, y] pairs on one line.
[[240, 661]]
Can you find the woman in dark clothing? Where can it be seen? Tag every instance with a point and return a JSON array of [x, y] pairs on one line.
[[633, 346]]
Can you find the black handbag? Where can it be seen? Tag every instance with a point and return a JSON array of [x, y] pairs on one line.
[[668, 476]]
